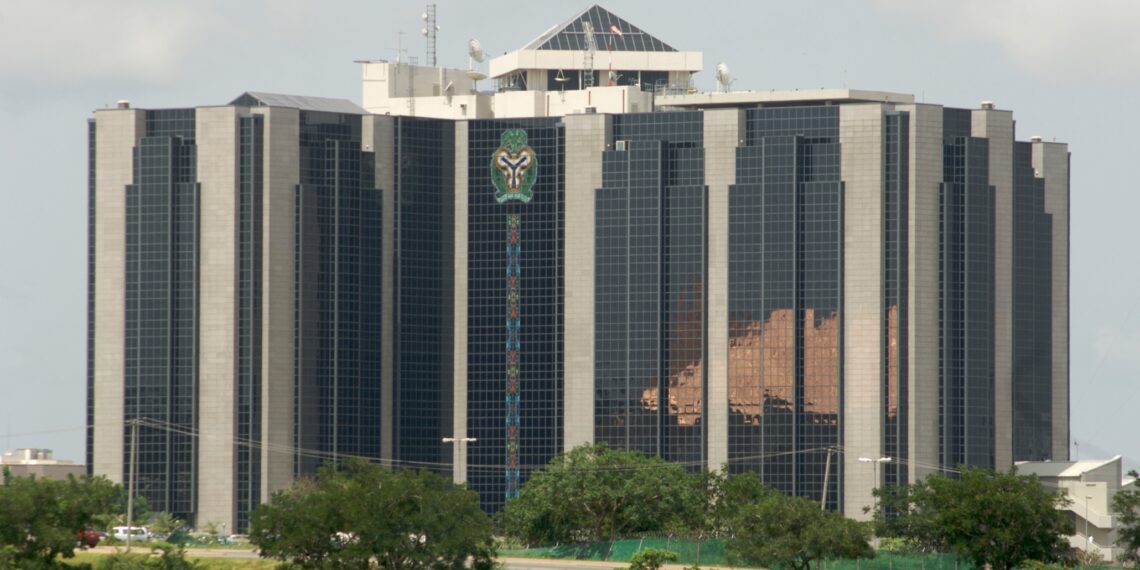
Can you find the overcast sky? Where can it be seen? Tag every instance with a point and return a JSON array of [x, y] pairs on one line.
[[1070, 71]]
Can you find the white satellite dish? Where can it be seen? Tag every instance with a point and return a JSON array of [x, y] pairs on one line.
[[723, 77], [474, 54], [475, 50]]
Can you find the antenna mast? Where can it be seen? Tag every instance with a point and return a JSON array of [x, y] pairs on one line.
[[591, 47], [429, 31]]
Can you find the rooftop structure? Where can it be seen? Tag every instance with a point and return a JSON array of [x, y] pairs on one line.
[[1090, 486]]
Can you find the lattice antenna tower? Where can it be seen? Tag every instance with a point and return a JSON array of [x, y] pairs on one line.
[[591, 47], [429, 31]]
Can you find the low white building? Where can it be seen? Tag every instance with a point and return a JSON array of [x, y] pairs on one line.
[[39, 463], [1090, 486]]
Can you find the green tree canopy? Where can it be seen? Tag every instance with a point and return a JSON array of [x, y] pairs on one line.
[[778, 530], [594, 492], [1000, 518], [1126, 506], [402, 519], [40, 518]]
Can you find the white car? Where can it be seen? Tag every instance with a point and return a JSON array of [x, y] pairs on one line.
[[139, 533]]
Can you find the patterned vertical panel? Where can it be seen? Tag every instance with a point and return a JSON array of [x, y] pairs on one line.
[[514, 169], [513, 270]]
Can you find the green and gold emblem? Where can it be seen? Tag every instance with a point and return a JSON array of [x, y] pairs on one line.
[[514, 168]]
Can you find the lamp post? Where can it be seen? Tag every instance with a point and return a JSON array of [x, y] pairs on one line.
[[459, 475], [875, 467], [1087, 522]]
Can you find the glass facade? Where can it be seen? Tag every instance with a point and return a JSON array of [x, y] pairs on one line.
[[338, 305], [784, 300], [247, 427], [966, 297], [89, 436], [1032, 313], [424, 200], [514, 358], [896, 217], [161, 379], [650, 365]]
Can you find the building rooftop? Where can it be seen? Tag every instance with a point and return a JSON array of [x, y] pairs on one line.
[[610, 33], [1063, 469], [796, 96], [304, 103]]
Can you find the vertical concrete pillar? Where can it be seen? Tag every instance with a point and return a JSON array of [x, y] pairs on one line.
[[459, 311], [1051, 160], [587, 136], [216, 136], [861, 169], [378, 136], [997, 126], [724, 132], [280, 177], [923, 244], [117, 132]]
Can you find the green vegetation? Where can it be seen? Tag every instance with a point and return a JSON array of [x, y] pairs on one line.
[[401, 519], [1126, 507], [594, 492], [1003, 519], [651, 559], [40, 518]]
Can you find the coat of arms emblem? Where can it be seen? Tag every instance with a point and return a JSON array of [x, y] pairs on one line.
[[514, 168]]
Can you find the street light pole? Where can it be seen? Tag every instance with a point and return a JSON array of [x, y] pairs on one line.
[[134, 423], [458, 442], [1087, 522]]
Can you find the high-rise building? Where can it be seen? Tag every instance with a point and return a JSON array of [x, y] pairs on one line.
[[833, 288]]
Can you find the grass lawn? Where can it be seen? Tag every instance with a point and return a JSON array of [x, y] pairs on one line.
[[207, 563]]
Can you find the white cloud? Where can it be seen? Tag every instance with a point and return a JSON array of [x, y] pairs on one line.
[[68, 42], [1059, 40]]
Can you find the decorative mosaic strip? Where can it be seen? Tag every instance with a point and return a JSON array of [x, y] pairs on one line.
[[512, 347]]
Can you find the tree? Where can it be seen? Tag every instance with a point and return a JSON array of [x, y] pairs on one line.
[[164, 523], [1126, 506], [357, 512], [998, 518], [594, 492], [793, 532], [40, 518]]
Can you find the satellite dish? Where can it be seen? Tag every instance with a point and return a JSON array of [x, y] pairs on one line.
[[561, 77], [722, 75], [475, 75], [475, 50]]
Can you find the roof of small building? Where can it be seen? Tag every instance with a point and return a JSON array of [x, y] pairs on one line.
[[571, 36], [304, 103], [1062, 469]]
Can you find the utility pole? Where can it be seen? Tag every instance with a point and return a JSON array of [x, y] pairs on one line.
[[826, 473], [134, 422]]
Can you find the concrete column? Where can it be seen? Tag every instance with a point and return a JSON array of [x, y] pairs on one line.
[[997, 126], [724, 132], [378, 136], [861, 169], [117, 132], [587, 136], [216, 136], [1051, 160], [922, 292], [281, 175], [459, 310]]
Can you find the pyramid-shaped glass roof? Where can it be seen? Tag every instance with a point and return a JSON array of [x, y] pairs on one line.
[[610, 33]]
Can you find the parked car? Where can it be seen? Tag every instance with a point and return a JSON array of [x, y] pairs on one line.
[[137, 533], [88, 538]]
